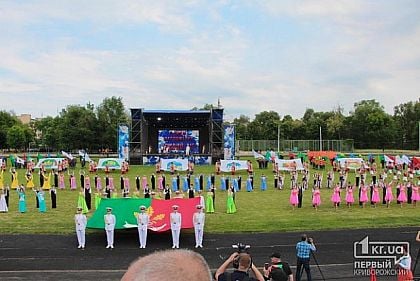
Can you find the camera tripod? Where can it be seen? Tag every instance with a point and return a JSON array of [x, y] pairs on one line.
[[317, 264]]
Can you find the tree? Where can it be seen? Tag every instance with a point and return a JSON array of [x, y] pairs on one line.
[[7, 121], [407, 117], [47, 131], [241, 127], [371, 126], [78, 128], [16, 137], [335, 124], [265, 125], [110, 113]]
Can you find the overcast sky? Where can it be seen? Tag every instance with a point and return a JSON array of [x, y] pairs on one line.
[[257, 55]]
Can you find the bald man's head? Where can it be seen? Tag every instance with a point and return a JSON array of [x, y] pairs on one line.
[[175, 265]]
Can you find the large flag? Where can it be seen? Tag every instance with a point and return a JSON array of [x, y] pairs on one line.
[[124, 209], [161, 209], [388, 159], [257, 155], [68, 155], [85, 155], [20, 160]]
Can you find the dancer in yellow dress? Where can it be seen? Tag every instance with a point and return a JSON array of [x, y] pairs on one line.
[[15, 182], [47, 184], [29, 180], [1, 179]]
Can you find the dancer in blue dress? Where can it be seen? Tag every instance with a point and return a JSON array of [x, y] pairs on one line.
[[41, 199], [263, 182], [22, 199], [249, 184], [222, 183]]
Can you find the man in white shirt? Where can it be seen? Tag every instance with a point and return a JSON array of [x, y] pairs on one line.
[[110, 221], [142, 223], [175, 218], [80, 221], [198, 220]]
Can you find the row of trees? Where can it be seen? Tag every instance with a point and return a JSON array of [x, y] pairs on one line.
[[75, 127], [368, 125], [95, 127]]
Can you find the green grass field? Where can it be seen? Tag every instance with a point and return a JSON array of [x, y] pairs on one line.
[[258, 211]]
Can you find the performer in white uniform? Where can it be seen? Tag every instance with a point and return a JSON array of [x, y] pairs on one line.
[[110, 221], [175, 226], [80, 221], [142, 223], [198, 220]]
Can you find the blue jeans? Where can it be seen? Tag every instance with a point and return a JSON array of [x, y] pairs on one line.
[[305, 263]]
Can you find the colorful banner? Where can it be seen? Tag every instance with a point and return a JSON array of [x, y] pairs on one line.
[[226, 165], [123, 138], [112, 163], [290, 164], [350, 163], [127, 209], [124, 209], [179, 164], [229, 142], [48, 163]]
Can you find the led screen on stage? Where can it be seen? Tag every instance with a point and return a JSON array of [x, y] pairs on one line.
[[178, 141]]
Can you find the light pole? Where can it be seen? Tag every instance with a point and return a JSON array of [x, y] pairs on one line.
[[320, 138], [278, 138]]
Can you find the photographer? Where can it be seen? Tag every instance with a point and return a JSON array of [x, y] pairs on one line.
[[278, 270], [242, 263], [303, 254]]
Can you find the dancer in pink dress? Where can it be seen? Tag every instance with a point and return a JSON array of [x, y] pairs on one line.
[[388, 194], [363, 195], [316, 198], [294, 200], [375, 195], [160, 182], [415, 196], [98, 184], [111, 183], [73, 185], [349, 196], [402, 197], [61, 184], [335, 198]]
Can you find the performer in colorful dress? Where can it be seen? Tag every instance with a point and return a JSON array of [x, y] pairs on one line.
[[263, 182], [335, 198], [415, 196], [223, 183], [61, 181], [22, 199], [316, 197], [349, 196], [41, 199], [15, 181], [29, 180], [294, 200], [388, 194], [249, 184], [3, 205], [231, 207], [209, 202], [363, 195], [375, 195], [402, 197], [81, 202], [47, 184], [72, 179]]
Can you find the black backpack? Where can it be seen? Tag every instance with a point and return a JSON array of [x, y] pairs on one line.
[[229, 277], [277, 273]]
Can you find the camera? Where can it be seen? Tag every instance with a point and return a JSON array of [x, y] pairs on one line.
[[241, 248], [310, 240]]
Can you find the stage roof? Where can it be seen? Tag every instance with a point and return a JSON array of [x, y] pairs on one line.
[[177, 119]]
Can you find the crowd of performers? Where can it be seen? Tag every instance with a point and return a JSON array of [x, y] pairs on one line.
[[393, 184]]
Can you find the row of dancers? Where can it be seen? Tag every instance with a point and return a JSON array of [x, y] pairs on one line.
[[405, 193]]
